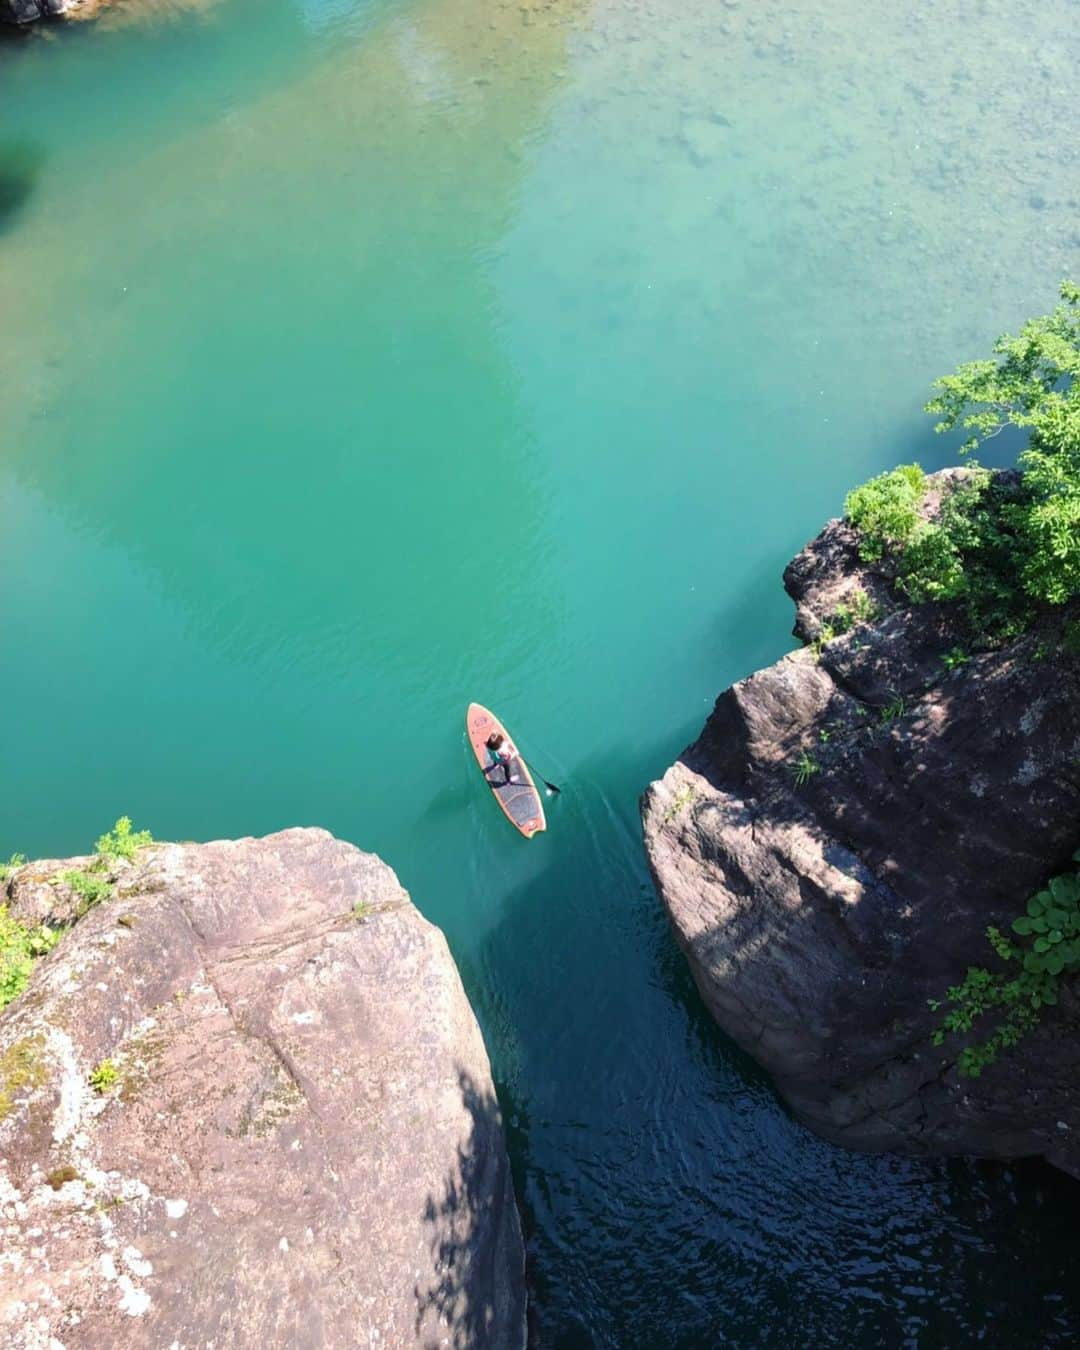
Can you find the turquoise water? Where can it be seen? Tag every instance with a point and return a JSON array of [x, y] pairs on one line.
[[361, 360]]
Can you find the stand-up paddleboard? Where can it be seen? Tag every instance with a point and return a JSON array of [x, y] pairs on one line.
[[520, 801]]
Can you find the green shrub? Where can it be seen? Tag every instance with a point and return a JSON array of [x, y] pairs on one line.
[[20, 946], [932, 566], [13, 864], [1049, 949], [1051, 520], [885, 510], [1004, 549], [121, 841], [1031, 383], [89, 886]]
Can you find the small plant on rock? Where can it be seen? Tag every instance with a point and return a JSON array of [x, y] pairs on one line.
[[954, 659], [804, 768], [104, 1077], [89, 886], [682, 799], [857, 608], [122, 841]]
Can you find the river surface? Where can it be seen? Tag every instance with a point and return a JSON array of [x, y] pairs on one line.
[[361, 359]]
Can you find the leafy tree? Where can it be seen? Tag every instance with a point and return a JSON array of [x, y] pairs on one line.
[[1002, 546], [1031, 383], [886, 510]]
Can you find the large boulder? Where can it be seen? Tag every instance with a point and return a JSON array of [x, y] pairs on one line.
[[301, 1144], [823, 901], [30, 11]]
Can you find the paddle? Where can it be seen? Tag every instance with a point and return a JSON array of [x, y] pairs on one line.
[[551, 787]]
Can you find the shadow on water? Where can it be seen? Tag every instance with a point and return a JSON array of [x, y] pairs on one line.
[[475, 1299], [20, 166], [668, 1197], [449, 801], [13, 33]]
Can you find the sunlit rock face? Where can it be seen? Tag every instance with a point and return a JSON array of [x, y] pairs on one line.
[[300, 1142], [833, 847]]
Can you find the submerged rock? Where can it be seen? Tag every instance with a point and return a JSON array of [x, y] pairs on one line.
[[244, 1102], [833, 847]]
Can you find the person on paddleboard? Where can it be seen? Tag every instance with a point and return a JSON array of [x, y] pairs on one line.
[[502, 751]]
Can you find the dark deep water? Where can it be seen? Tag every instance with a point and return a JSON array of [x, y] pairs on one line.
[[297, 299]]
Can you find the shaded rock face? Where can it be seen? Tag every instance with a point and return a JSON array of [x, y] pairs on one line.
[[23, 12], [29, 11], [302, 1146], [819, 918]]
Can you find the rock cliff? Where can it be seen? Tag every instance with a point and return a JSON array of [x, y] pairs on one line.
[[30, 11], [833, 847], [245, 1102]]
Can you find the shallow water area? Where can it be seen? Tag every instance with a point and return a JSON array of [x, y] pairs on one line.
[[360, 360]]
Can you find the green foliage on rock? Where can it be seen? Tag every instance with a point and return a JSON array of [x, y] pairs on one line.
[[1048, 950], [122, 841], [89, 885], [804, 769], [886, 509], [12, 865], [857, 608], [1003, 547], [954, 659], [104, 1076], [894, 709], [20, 945]]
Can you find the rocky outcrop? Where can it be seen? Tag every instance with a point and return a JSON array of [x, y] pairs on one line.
[[24, 12], [833, 847], [293, 1138], [30, 11]]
